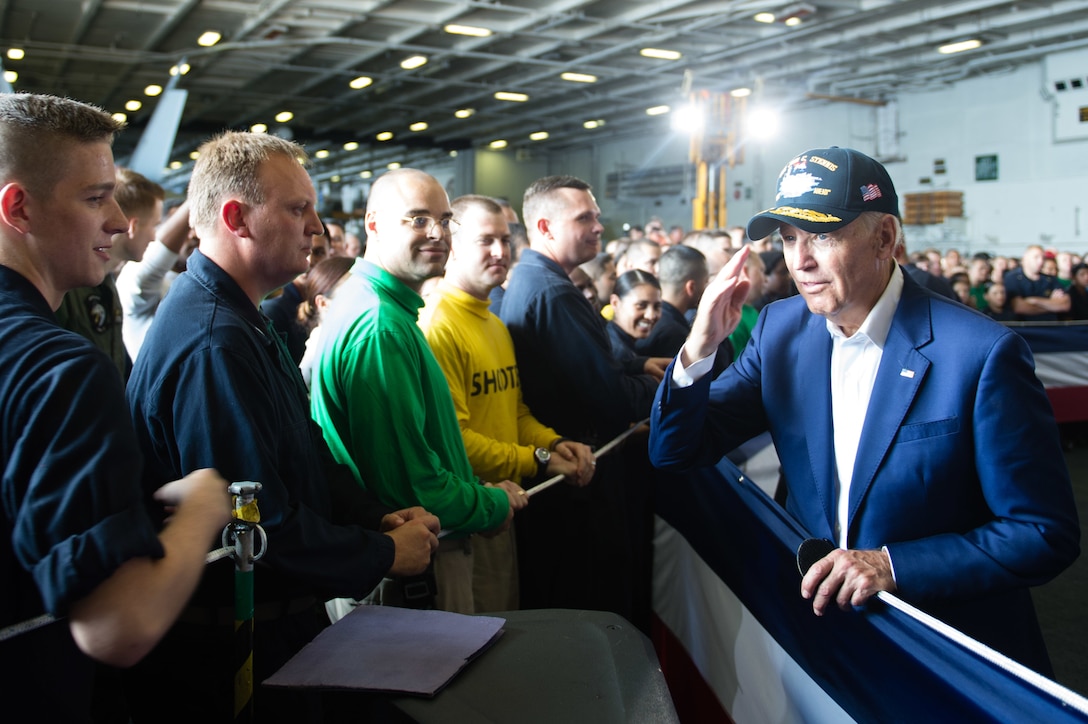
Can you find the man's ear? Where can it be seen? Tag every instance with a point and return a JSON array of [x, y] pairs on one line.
[[370, 223], [542, 226], [133, 225], [689, 288], [13, 207], [233, 215], [887, 238]]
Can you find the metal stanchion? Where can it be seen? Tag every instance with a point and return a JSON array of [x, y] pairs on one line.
[[238, 543]]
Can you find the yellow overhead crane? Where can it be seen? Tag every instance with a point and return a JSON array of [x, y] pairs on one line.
[[713, 150]]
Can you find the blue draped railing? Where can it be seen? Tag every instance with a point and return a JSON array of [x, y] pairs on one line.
[[877, 664]]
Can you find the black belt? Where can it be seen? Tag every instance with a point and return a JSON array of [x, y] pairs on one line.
[[266, 611]]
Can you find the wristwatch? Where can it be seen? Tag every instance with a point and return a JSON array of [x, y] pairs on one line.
[[543, 456]]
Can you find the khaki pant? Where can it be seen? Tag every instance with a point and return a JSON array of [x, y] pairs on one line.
[[453, 563], [495, 572]]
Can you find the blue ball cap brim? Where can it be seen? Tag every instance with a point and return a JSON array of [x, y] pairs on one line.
[[811, 220]]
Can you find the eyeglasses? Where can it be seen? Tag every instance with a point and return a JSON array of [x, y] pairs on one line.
[[425, 224]]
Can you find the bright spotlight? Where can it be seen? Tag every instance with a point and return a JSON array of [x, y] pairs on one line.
[[762, 124], [686, 119]]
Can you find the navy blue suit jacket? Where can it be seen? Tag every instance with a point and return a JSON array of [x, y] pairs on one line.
[[959, 471]]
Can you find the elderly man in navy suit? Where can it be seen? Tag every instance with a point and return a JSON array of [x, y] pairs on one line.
[[912, 431]]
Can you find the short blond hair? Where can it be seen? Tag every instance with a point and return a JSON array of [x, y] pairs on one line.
[[461, 204], [229, 166]]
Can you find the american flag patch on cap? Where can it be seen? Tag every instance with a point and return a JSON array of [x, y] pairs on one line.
[[870, 192]]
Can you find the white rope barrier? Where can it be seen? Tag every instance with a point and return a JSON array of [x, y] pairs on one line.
[[1053, 688], [604, 450]]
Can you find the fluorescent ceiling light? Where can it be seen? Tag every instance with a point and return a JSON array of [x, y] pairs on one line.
[[763, 17], [579, 77], [393, 165], [351, 145], [120, 117], [209, 38], [497, 144], [385, 136], [413, 62], [284, 116], [418, 126], [16, 54], [334, 179], [960, 46], [11, 76], [366, 174], [793, 15], [508, 96], [175, 165], [194, 155], [153, 90], [360, 82], [660, 53], [593, 123], [740, 92], [538, 136], [180, 69], [133, 105], [657, 110], [323, 153], [467, 30], [464, 112], [258, 128]]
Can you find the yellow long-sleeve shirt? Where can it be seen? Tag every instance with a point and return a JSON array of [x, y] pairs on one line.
[[475, 351]]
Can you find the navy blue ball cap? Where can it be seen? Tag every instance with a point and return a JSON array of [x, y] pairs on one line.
[[825, 189]]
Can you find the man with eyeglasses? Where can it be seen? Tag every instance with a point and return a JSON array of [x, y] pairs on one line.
[[381, 398]]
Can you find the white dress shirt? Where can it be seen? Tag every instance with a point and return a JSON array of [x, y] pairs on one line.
[[854, 364]]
